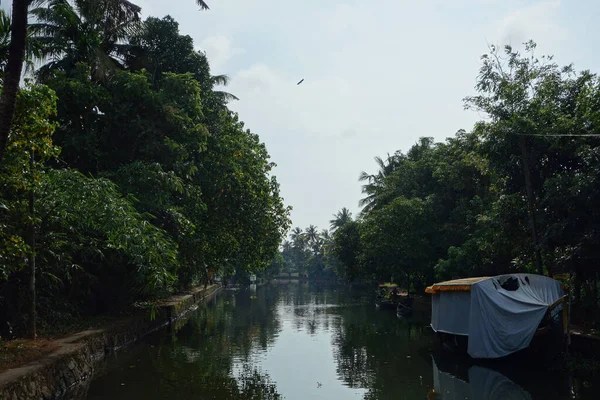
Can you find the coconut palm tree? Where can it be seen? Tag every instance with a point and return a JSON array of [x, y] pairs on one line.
[[287, 246], [94, 32], [12, 69], [374, 183], [297, 236], [314, 240], [340, 219], [312, 234], [4, 38]]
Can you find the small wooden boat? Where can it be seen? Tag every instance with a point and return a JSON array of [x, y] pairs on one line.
[[388, 296], [492, 317]]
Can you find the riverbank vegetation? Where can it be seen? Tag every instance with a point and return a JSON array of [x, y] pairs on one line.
[[518, 192], [126, 177]]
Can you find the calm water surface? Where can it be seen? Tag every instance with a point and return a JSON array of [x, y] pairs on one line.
[[301, 341]]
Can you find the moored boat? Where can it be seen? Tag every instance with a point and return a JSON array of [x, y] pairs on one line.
[[388, 296], [492, 317]]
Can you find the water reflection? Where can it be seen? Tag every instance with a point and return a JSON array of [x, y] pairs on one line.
[[480, 383], [299, 341], [211, 355]]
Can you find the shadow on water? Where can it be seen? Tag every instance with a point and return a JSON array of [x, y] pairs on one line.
[[296, 340]]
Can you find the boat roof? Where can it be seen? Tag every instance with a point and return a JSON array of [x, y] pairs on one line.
[[456, 285], [392, 285]]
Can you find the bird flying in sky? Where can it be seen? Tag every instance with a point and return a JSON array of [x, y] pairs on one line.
[[300, 81]]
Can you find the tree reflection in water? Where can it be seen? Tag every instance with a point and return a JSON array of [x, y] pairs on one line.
[[211, 355], [302, 341], [387, 356]]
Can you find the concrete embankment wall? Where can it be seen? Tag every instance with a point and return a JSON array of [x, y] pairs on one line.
[[67, 372]]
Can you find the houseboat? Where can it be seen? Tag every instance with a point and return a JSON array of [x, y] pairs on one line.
[[492, 317]]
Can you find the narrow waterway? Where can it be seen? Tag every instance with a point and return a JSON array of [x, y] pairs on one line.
[[302, 341]]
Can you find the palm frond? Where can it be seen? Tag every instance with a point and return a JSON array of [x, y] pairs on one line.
[[222, 80], [116, 10], [202, 4], [44, 30], [380, 163], [105, 63], [5, 27], [365, 177], [364, 202], [225, 97], [370, 188], [120, 50], [36, 3]]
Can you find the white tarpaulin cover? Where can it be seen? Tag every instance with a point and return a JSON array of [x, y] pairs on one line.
[[450, 312], [501, 321], [504, 321]]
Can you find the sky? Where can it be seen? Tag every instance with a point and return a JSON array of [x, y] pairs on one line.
[[378, 75]]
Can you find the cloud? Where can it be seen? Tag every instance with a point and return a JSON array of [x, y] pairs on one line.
[[219, 51], [377, 77], [537, 21]]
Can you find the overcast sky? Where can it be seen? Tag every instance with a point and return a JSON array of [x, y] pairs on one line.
[[378, 75]]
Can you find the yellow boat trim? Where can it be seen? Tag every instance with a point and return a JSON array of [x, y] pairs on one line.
[[456, 285]]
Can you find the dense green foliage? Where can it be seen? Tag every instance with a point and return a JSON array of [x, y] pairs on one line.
[[462, 207], [126, 177], [308, 253]]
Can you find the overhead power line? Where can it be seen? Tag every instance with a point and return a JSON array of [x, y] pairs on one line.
[[559, 135]]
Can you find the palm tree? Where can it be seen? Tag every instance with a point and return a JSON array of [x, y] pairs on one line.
[[312, 233], [4, 38], [93, 32], [298, 248], [297, 236], [374, 183], [12, 69], [326, 239], [315, 242], [340, 219], [287, 246]]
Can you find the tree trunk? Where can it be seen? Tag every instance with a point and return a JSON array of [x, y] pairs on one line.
[[568, 324], [32, 310], [14, 65], [595, 288], [578, 284], [532, 222]]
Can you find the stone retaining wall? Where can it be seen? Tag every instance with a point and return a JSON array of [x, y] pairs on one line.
[[67, 372]]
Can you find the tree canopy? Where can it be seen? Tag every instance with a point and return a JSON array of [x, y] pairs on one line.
[[126, 176]]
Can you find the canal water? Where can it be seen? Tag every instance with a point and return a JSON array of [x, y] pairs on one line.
[[302, 341]]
